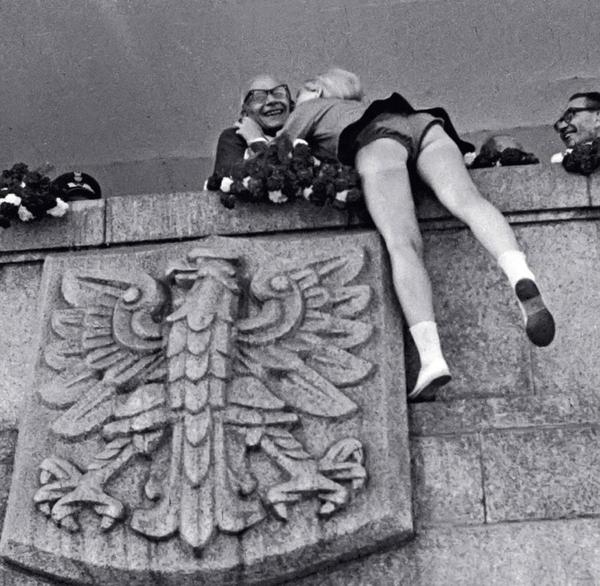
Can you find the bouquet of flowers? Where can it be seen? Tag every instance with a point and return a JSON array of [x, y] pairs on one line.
[[502, 151], [27, 195], [583, 158], [282, 172]]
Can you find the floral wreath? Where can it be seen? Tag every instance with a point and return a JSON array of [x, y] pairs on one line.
[[27, 195], [282, 172], [505, 158], [583, 158]]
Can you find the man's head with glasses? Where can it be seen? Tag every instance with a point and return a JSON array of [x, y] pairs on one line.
[[580, 122], [268, 102]]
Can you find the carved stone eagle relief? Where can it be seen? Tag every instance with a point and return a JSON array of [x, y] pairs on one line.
[[216, 366]]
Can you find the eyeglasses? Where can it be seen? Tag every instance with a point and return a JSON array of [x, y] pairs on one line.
[[279, 92], [569, 114]]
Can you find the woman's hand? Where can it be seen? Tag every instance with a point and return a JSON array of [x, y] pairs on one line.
[[249, 129]]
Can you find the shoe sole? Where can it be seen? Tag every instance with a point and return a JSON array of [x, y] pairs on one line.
[[428, 393], [539, 323]]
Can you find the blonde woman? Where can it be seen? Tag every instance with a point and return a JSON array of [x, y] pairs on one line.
[[386, 142]]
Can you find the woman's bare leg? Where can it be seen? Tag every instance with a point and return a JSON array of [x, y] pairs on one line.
[[382, 166], [441, 166]]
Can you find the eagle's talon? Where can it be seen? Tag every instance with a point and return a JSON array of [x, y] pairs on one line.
[[69, 524], [281, 512], [327, 509], [107, 523]]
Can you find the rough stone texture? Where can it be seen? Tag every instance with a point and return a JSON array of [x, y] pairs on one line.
[[83, 225], [566, 258], [546, 423], [11, 576], [158, 216], [552, 553], [182, 215], [19, 284], [478, 319], [510, 189], [542, 474], [594, 186], [378, 515], [8, 440], [6, 470], [469, 416], [447, 481]]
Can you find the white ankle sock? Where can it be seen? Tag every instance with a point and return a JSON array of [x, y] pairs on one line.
[[515, 267], [433, 365], [427, 340]]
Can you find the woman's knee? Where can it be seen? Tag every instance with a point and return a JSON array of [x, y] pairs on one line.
[[404, 242], [463, 197]]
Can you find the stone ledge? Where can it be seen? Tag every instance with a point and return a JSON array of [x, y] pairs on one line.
[[474, 416], [552, 553], [529, 193], [83, 225], [528, 190], [185, 215]]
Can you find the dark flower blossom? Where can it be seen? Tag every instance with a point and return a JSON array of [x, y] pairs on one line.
[[583, 158], [282, 172], [27, 195]]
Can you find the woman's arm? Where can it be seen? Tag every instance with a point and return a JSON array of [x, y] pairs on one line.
[[302, 120]]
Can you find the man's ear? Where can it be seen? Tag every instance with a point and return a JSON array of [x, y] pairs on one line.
[[243, 113]]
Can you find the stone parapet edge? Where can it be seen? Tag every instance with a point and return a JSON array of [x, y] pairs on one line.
[[536, 193], [83, 225]]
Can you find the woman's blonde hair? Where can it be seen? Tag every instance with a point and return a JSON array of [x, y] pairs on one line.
[[339, 83]]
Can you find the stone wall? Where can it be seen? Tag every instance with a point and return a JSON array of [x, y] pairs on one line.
[[506, 465]]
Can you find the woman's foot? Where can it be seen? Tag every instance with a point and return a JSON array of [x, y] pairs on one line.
[[436, 374], [539, 323]]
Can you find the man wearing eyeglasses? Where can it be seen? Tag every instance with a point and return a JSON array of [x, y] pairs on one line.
[[266, 105], [580, 122]]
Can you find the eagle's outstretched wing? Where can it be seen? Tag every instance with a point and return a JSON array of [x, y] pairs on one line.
[[108, 339], [306, 327]]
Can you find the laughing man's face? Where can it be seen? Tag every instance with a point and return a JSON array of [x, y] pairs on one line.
[[270, 111], [579, 123]]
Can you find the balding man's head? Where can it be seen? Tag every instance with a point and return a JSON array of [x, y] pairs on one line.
[[267, 100]]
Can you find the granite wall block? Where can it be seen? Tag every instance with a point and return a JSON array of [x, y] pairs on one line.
[[83, 225], [184, 215], [19, 284], [566, 259], [478, 319], [552, 553], [447, 483], [542, 474]]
